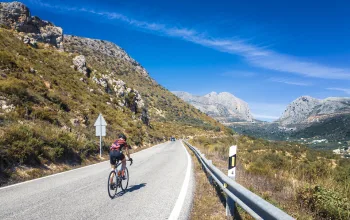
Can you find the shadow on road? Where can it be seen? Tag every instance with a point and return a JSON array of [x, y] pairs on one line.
[[131, 189]]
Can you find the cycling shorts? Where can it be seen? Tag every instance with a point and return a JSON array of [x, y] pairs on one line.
[[115, 155]]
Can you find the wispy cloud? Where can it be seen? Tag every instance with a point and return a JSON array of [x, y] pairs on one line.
[[239, 73], [289, 82], [347, 91], [255, 55]]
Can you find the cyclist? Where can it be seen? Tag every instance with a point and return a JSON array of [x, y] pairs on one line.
[[116, 153]]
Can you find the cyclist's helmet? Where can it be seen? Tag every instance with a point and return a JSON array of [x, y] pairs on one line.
[[122, 136]]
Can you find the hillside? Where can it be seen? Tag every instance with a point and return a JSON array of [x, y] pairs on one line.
[[52, 88], [224, 106]]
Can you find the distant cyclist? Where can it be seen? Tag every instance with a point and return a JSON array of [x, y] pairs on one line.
[[116, 153]]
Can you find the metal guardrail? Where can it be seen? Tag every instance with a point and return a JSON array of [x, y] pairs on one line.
[[257, 207]]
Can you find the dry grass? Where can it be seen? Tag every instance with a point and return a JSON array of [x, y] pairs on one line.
[[209, 200], [206, 204], [279, 187]]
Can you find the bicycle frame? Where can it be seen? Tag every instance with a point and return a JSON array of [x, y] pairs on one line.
[[118, 163]]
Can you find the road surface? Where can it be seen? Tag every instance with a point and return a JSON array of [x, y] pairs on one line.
[[160, 187]]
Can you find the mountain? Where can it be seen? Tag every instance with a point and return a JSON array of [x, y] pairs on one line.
[[224, 106], [306, 118], [53, 86], [307, 110]]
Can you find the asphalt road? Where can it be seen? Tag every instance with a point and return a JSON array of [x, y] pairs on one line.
[[157, 189]]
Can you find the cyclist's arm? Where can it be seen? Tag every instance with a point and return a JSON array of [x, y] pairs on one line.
[[127, 151]]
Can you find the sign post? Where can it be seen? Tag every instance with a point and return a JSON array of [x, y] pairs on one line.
[[230, 204], [100, 125]]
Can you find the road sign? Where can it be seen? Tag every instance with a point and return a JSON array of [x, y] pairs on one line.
[[100, 125], [100, 131], [100, 121]]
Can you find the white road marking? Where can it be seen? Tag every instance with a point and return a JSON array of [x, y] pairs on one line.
[[175, 213], [28, 181]]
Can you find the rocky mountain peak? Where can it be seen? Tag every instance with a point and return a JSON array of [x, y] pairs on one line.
[[223, 106], [306, 109], [212, 94], [15, 15]]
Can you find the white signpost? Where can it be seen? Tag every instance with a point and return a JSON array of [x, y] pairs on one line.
[[100, 125], [230, 205]]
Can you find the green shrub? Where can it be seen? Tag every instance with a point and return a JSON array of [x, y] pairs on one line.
[[14, 87], [327, 203], [260, 167]]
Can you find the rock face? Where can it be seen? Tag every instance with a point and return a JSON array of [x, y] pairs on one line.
[[224, 106], [16, 15], [306, 110], [125, 96], [83, 45]]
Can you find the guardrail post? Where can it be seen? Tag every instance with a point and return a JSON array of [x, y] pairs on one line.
[[210, 162], [230, 204]]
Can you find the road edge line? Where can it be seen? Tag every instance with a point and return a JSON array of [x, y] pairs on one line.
[[56, 174], [175, 213]]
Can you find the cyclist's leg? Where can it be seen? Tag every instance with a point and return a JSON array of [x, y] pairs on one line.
[[123, 164], [112, 159], [112, 176]]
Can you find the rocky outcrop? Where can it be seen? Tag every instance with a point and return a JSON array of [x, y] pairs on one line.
[[307, 109], [125, 96], [79, 63], [4, 106], [16, 15], [82, 45], [224, 106], [130, 97], [30, 41]]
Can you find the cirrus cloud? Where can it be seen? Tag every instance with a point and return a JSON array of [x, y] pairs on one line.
[[254, 55]]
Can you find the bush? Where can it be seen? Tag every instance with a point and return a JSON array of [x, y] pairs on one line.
[[29, 145], [326, 203], [14, 87]]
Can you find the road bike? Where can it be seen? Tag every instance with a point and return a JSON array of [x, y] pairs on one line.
[[119, 181]]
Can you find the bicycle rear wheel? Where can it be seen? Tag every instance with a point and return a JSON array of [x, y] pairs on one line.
[[125, 182], [112, 184]]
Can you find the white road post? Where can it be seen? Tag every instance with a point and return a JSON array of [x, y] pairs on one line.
[[230, 204], [100, 125]]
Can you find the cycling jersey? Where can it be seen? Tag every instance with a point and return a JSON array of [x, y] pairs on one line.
[[116, 151]]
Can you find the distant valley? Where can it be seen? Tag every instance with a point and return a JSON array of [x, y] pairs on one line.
[[318, 123]]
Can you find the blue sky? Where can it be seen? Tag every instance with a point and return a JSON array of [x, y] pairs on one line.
[[267, 53]]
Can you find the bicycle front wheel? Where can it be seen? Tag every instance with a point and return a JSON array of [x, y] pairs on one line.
[[125, 182], [112, 184]]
